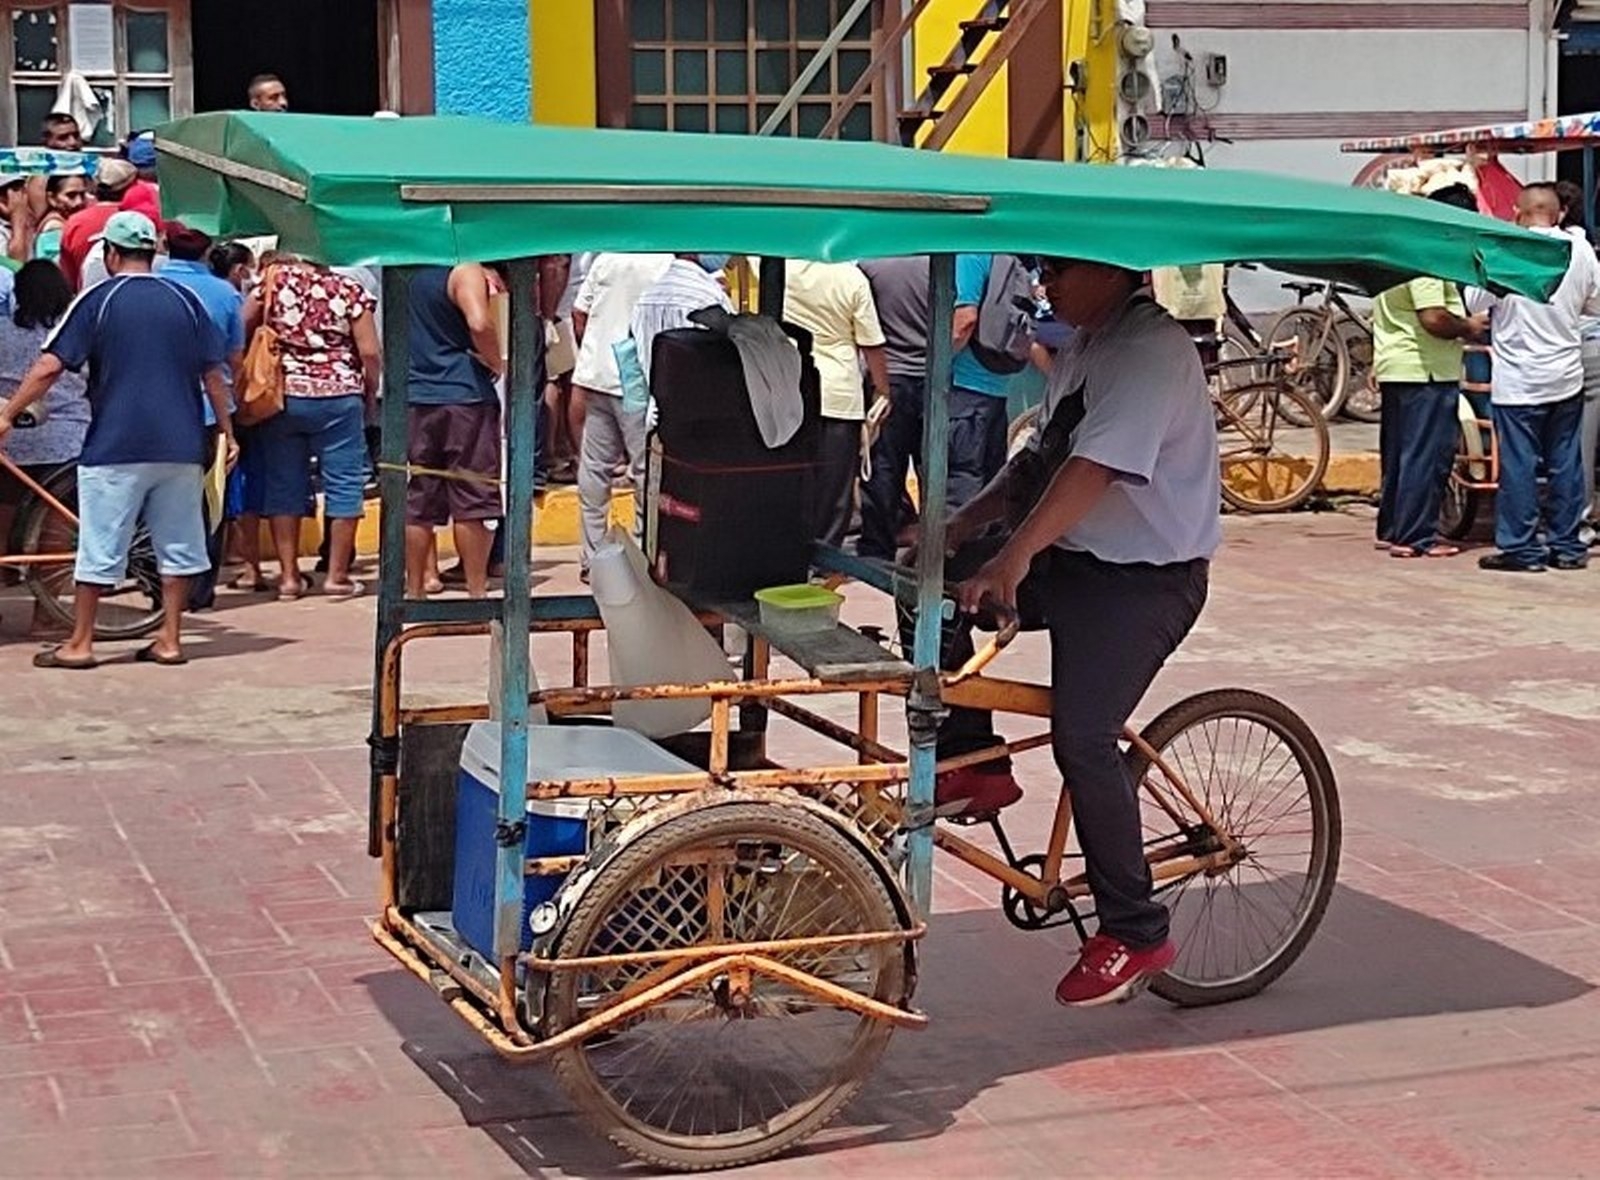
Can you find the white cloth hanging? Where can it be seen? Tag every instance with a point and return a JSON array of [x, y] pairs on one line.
[[78, 99]]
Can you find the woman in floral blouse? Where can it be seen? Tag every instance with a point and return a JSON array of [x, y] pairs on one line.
[[332, 362]]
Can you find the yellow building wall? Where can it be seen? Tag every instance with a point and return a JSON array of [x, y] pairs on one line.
[[562, 34], [563, 61]]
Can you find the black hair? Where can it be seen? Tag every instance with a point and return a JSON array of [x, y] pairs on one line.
[[60, 119], [261, 80], [1570, 195], [225, 257], [53, 185], [1457, 195], [147, 256], [42, 295]]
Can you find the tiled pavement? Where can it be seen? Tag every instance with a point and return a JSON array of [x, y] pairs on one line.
[[186, 986]]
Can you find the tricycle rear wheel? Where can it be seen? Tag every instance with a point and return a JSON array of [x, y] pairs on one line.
[[701, 1081]]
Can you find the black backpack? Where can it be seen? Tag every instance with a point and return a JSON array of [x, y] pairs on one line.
[[1003, 338]]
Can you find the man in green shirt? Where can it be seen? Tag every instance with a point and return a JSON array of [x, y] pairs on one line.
[[1417, 332]]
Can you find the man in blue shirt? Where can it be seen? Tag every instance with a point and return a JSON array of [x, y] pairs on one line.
[[187, 251], [150, 347], [978, 397]]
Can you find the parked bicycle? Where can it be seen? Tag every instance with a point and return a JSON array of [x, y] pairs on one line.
[[1334, 347], [43, 550]]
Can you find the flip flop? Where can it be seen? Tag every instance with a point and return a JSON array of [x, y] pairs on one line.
[[353, 590], [149, 655], [433, 586], [1407, 553], [293, 595], [252, 585], [52, 659]]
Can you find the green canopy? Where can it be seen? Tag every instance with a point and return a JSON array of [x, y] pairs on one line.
[[440, 190]]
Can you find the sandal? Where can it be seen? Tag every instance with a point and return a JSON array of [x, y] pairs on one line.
[[295, 594], [351, 589], [53, 659], [256, 585], [1407, 552], [149, 655]]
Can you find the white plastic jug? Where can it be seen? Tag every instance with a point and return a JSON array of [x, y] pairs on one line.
[[651, 638]]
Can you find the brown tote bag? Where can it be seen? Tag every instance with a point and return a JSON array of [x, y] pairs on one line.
[[259, 382]]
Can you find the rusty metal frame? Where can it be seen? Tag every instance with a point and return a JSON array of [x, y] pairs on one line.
[[493, 1011]]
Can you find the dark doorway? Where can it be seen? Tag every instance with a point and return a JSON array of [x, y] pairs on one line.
[[325, 52]]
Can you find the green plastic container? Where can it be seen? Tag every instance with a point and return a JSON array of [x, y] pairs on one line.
[[799, 608]]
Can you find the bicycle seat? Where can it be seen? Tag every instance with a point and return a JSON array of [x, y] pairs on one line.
[[1303, 288], [1347, 289]]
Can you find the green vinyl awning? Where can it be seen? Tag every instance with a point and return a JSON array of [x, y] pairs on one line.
[[440, 190]]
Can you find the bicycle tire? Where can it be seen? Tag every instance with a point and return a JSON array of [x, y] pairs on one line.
[[40, 529], [1458, 511], [1181, 984], [1322, 367], [1362, 398], [1258, 474], [1022, 428], [640, 894]]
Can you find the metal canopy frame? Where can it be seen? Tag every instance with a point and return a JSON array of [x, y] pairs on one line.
[[513, 614]]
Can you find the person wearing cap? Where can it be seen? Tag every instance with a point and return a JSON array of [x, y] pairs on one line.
[[16, 220], [186, 265], [113, 179], [1101, 531], [150, 349]]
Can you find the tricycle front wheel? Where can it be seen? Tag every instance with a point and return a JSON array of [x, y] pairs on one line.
[[734, 1068], [1261, 774]]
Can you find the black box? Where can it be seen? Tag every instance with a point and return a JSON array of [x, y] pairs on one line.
[[725, 515]]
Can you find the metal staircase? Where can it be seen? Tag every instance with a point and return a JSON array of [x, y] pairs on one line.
[[954, 86]]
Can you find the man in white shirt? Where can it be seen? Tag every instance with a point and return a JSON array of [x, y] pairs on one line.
[[1537, 392], [833, 301], [601, 316], [1108, 523]]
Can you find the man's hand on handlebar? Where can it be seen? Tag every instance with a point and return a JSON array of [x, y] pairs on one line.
[[996, 581]]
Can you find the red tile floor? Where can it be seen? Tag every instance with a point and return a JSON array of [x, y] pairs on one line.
[[187, 987]]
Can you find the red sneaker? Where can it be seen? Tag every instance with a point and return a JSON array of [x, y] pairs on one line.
[[1108, 972], [971, 792]]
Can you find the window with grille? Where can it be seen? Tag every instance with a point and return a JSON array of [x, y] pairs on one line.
[[724, 65], [133, 56]]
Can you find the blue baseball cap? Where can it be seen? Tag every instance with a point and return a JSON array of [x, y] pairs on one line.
[[141, 150]]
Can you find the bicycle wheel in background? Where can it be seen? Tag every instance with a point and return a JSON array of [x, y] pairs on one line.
[[1234, 348], [1269, 464], [128, 610], [1321, 366], [1362, 400]]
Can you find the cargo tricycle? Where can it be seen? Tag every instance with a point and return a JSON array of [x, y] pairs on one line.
[[708, 946]]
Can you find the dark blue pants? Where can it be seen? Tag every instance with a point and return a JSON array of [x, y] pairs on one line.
[[1417, 445], [977, 451], [1112, 627], [1532, 438]]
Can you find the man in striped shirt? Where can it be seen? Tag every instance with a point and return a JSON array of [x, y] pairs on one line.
[[689, 285]]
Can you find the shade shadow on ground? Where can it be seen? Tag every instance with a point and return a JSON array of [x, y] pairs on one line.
[[987, 988]]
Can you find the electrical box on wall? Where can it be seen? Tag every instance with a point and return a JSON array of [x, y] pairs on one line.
[[1216, 69]]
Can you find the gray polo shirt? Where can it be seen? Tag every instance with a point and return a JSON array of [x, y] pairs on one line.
[[1148, 417], [900, 291]]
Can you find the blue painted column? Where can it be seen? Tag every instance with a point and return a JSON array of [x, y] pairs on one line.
[[924, 709], [482, 59]]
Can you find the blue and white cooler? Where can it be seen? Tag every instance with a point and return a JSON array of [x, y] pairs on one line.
[[556, 827]]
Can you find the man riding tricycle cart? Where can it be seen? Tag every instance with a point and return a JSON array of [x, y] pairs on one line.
[[711, 949]]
